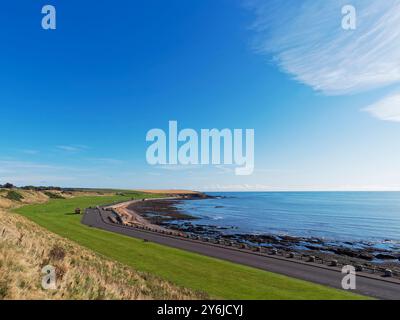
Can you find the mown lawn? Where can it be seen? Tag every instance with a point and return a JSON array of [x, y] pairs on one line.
[[220, 279]]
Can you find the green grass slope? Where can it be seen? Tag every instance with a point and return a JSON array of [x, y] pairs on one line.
[[220, 279]]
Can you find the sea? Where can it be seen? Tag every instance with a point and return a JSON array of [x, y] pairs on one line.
[[358, 217]]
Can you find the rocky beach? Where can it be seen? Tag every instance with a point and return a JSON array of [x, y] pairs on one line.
[[167, 214]]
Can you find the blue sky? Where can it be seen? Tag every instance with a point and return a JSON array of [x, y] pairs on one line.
[[76, 102]]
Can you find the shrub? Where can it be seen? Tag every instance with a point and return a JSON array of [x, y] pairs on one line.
[[3, 289], [28, 188], [13, 195], [7, 186], [56, 253], [52, 195]]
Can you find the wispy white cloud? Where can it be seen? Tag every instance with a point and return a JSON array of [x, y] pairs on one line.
[[106, 161], [225, 169], [387, 109], [217, 169], [306, 40], [68, 148], [72, 148], [17, 165], [30, 151], [32, 179], [25, 172], [178, 167], [234, 187]]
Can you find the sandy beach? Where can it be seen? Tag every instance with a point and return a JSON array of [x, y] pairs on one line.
[[130, 217]]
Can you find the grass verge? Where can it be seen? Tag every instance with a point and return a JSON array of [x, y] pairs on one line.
[[25, 248], [218, 278]]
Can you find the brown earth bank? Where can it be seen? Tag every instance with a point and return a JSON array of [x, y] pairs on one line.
[[166, 214]]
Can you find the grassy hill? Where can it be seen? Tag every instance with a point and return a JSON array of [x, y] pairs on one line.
[[219, 279], [25, 248]]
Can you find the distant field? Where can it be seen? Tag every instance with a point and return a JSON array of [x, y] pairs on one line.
[[169, 191], [220, 279]]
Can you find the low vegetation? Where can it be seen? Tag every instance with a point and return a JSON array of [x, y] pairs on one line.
[[10, 199], [6, 186], [219, 279], [53, 195], [14, 196]]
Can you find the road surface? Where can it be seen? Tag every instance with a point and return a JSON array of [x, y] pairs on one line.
[[367, 284]]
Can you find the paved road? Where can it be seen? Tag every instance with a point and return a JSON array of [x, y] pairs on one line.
[[369, 285]]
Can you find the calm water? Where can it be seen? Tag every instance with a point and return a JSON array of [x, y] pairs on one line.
[[339, 216]]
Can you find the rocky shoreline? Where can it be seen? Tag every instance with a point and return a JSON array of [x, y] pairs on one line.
[[166, 213]]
